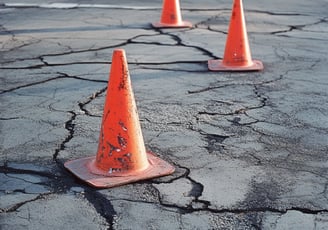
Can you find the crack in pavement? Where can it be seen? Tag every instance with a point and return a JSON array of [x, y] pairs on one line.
[[239, 111], [69, 126], [234, 84], [7, 169], [105, 208], [176, 38], [15, 207], [9, 118], [127, 42], [60, 183], [263, 100], [300, 27], [196, 191], [285, 162], [61, 76], [180, 43], [102, 205], [214, 142], [4, 31], [205, 208], [89, 100], [31, 84]]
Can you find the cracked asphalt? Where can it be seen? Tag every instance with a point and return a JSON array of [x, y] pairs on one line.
[[250, 149]]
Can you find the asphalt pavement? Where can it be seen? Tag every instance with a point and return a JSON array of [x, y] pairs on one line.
[[249, 148]]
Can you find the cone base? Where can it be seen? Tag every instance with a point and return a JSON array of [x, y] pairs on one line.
[[217, 65], [80, 168], [183, 24]]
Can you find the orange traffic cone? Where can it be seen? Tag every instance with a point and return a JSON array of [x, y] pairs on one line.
[[237, 54], [121, 157], [171, 16]]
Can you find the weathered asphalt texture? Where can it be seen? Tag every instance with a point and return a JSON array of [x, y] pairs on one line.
[[250, 149]]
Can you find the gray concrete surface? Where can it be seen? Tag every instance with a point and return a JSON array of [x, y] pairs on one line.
[[250, 149]]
